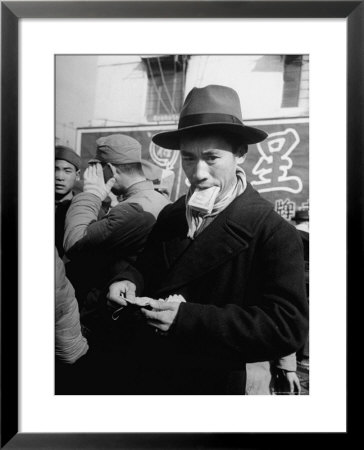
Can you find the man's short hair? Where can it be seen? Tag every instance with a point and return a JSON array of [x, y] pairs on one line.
[[131, 168]]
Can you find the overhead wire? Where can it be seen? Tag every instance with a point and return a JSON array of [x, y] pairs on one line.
[[183, 72], [174, 78], [165, 85], [157, 90]]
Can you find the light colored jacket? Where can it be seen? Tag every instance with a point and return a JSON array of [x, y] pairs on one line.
[[70, 344], [82, 224]]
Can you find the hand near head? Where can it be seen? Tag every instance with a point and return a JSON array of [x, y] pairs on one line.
[[94, 182]]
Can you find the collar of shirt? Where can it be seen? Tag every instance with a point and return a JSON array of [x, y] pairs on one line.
[[69, 196], [137, 187]]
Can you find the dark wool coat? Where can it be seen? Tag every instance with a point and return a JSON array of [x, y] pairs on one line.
[[243, 281], [60, 217]]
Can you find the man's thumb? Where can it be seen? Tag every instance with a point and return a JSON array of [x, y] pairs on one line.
[[110, 184]]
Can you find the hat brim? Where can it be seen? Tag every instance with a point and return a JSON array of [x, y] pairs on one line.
[[248, 135], [94, 160]]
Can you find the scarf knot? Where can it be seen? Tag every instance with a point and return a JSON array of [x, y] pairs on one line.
[[196, 220]]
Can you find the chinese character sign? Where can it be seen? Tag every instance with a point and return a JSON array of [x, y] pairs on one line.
[[278, 168]]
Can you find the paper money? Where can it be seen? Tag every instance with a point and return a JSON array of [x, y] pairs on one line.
[[203, 200]]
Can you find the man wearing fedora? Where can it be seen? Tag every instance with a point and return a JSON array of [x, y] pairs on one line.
[[235, 268], [95, 244]]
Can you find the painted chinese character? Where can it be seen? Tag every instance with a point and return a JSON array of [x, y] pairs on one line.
[[274, 163], [285, 208]]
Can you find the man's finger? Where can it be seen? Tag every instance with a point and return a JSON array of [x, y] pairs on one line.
[[161, 305], [152, 315], [130, 296], [87, 172], [117, 298], [110, 184], [158, 327], [99, 171]]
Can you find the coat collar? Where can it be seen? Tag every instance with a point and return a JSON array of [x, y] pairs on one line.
[[135, 188], [67, 197], [229, 234]]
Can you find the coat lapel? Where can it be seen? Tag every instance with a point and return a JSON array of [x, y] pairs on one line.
[[229, 234]]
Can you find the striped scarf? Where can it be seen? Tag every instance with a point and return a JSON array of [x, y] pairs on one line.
[[196, 220]]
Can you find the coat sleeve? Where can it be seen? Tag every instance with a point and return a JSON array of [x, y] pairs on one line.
[[69, 342], [126, 225], [273, 323], [82, 212], [288, 363], [138, 272]]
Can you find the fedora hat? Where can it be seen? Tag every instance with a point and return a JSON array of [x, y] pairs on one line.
[[212, 107]]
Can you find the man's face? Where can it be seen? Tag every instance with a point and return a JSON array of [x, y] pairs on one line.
[[209, 161], [66, 176], [118, 187]]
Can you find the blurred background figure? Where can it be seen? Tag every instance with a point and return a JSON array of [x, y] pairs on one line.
[[97, 243], [273, 378], [301, 220], [70, 344], [67, 173], [162, 179]]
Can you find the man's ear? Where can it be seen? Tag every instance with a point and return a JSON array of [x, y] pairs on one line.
[[241, 159], [78, 177]]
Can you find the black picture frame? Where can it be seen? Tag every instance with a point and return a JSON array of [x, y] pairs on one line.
[[11, 12]]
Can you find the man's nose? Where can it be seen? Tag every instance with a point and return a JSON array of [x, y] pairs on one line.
[[201, 171], [59, 176]]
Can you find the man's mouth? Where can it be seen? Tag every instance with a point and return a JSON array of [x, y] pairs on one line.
[[203, 187], [60, 186]]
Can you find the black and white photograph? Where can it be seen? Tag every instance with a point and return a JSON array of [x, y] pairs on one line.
[[182, 217], [182, 211]]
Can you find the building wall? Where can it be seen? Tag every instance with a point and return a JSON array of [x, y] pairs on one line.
[[122, 86], [75, 82], [111, 90], [121, 91], [258, 79]]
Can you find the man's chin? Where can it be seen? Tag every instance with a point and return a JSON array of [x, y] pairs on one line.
[[202, 188]]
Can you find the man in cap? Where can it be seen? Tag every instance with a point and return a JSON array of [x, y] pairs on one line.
[[162, 179], [94, 245], [67, 172], [221, 274]]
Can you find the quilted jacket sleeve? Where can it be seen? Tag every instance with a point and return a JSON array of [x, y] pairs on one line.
[[70, 344], [125, 225], [82, 212]]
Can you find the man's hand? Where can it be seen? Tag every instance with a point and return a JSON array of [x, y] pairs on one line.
[[122, 293], [293, 383], [94, 182], [114, 200], [163, 314], [285, 382]]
